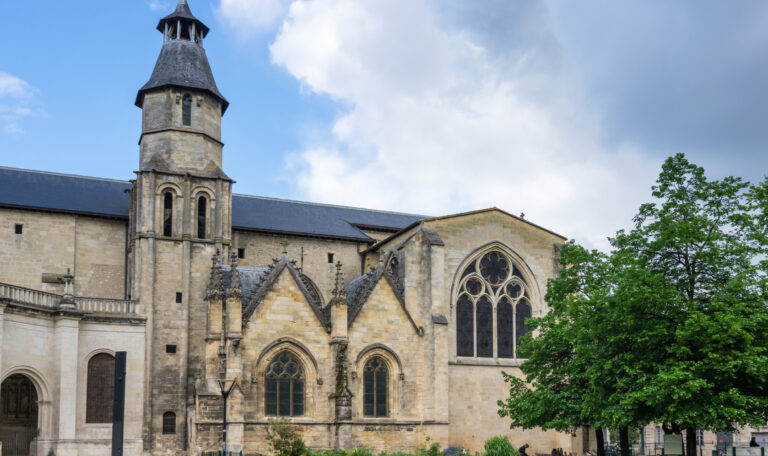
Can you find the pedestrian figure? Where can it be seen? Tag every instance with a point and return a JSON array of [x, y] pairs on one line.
[[522, 450], [753, 442]]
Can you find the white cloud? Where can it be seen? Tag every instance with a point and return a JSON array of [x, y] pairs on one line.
[[249, 16], [16, 97], [449, 110], [158, 5]]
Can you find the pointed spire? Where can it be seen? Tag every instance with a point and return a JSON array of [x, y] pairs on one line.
[[213, 290], [235, 290], [338, 288]]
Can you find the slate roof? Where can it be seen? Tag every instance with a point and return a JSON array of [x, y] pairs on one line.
[[321, 220], [250, 279], [182, 12], [64, 193], [109, 198], [182, 63]]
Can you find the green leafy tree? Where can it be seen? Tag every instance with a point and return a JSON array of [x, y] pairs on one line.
[[670, 327]]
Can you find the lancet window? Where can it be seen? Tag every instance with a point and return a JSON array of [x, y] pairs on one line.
[[492, 304], [375, 388], [186, 110], [202, 208]]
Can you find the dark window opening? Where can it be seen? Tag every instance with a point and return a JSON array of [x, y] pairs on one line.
[[100, 387], [178, 297], [168, 214], [186, 110], [484, 321], [284, 387], [330, 258], [505, 328], [169, 423], [375, 378], [170, 349], [522, 311], [465, 327], [241, 253], [201, 212], [19, 228]]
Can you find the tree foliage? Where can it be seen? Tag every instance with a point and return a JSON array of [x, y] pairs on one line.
[[671, 326]]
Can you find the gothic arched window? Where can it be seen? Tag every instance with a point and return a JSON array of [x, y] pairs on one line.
[[375, 382], [100, 389], [186, 110], [167, 213], [284, 387], [169, 423], [491, 283], [201, 213]]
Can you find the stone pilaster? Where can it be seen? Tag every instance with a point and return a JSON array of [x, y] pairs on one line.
[[66, 329]]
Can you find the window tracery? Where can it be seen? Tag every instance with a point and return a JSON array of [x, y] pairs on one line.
[[375, 388], [491, 284], [284, 392]]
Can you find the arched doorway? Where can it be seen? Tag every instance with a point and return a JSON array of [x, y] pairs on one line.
[[18, 414]]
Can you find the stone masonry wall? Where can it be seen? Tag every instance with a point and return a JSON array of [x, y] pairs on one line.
[[261, 248], [93, 248]]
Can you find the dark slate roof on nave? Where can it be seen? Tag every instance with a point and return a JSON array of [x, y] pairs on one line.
[[110, 198]]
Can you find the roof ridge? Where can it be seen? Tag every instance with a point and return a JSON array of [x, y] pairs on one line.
[[340, 206], [53, 173]]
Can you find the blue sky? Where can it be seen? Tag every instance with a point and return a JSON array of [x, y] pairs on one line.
[[562, 110]]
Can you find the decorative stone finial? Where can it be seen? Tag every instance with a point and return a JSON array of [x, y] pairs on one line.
[[235, 290], [214, 288], [338, 287]]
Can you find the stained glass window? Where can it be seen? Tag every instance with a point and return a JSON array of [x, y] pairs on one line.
[[484, 327], [100, 389], [505, 328], [284, 392], [491, 289], [465, 332], [375, 395]]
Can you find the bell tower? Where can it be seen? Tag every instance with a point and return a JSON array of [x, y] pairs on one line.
[[180, 217], [181, 105]]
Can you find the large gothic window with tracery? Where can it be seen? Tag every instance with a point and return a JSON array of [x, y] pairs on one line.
[[284, 392], [492, 304]]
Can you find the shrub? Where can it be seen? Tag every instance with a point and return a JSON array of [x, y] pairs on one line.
[[284, 438], [499, 446]]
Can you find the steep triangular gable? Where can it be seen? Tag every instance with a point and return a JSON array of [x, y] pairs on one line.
[[310, 294], [359, 290]]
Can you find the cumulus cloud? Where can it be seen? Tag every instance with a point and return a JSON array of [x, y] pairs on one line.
[[250, 16], [16, 97], [453, 106]]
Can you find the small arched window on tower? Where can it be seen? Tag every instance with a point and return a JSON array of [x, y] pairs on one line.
[[202, 204], [375, 377], [186, 110], [168, 213], [169, 423]]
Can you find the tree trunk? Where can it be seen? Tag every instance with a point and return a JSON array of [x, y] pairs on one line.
[[600, 441], [690, 442], [624, 441]]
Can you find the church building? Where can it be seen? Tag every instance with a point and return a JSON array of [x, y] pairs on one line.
[[366, 328]]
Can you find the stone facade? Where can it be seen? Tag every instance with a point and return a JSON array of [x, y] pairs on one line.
[[199, 306]]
